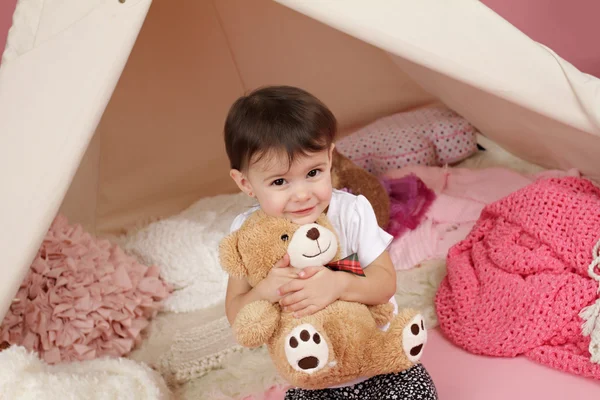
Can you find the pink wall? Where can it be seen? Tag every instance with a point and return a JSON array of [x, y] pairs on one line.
[[7, 8], [569, 27]]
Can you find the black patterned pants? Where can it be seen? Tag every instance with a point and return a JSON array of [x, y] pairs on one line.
[[411, 384]]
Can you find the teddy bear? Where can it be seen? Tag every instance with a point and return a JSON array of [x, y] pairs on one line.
[[345, 174], [343, 341]]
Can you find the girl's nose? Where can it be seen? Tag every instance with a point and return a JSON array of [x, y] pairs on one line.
[[301, 195], [301, 192]]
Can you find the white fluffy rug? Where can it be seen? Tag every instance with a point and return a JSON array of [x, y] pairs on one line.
[[185, 247], [24, 376]]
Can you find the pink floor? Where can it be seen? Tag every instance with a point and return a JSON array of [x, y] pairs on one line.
[[459, 375]]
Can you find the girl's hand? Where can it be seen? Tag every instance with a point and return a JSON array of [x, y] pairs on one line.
[[279, 275], [308, 272], [316, 289]]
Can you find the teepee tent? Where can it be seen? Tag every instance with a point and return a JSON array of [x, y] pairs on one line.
[[111, 111]]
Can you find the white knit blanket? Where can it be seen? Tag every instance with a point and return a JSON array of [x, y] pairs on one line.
[[186, 248], [184, 346]]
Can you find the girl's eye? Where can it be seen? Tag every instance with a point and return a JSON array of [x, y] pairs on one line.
[[313, 173], [278, 182], [284, 237]]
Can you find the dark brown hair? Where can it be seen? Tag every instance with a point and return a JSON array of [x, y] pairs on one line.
[[277, 118]]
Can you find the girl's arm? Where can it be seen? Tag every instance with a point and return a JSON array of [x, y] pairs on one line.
[[239, 293], [376, 287]]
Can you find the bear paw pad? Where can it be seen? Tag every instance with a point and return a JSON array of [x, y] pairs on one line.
[[305, 349], [414, 337]]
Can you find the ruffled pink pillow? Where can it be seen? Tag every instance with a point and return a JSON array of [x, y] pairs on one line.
[[82, 298], [428, 136]]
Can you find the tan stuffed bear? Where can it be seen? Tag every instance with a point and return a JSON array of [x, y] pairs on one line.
[[340, 343]]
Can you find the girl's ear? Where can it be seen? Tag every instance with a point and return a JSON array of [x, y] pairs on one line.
[[230, 258], [241, 181]]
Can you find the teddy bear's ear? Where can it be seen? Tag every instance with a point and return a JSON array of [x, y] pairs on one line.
[[230, 258]]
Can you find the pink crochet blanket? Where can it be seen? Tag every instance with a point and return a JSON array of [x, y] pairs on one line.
[[518, 282]]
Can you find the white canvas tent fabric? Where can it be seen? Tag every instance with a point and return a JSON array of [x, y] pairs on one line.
[[55, 82], [479, 65], [157, 145]]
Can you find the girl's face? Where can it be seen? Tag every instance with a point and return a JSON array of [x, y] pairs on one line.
[[299, 192]]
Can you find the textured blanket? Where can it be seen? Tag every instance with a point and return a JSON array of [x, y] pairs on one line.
[[24, 376], [519, 283], [82, 298]]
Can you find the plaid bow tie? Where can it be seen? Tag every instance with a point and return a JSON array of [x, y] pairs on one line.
[[348, 264]]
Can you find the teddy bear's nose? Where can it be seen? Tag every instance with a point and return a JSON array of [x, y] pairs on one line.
[[313, 234]]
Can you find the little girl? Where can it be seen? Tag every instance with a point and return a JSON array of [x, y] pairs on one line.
[[279, 141]]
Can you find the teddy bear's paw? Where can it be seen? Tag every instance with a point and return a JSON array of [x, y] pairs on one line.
[[414, 337], [306, 350]]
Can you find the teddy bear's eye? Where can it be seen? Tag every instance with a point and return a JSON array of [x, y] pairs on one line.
[[285, 237]]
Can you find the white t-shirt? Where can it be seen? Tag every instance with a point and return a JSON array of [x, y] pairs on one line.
[[355, 223]]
